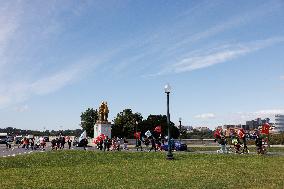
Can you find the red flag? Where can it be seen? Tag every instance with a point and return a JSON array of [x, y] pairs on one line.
[[217, 134], [265, 129], [241, 133], [103, 136], [137, 135], [158, 129]]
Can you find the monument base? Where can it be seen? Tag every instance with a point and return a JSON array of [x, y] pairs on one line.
[[102, 128]]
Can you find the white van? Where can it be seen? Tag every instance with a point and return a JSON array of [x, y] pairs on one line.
[[3, 138]]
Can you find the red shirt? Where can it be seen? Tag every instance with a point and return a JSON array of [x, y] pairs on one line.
[[265, 129]]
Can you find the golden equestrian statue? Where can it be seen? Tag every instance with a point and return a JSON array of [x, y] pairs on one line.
[[103, 112]]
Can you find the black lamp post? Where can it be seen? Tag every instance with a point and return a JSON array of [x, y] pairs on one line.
[[179, 129], [136, 124], [169, 154]]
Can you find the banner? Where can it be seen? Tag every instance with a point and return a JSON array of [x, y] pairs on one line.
[[241, 133], [148, 133]]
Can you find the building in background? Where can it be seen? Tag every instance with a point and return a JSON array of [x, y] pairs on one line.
[[255, 124], [279, 124], [202, 129]]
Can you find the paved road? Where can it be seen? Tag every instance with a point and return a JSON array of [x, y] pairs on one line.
[[15, 151]]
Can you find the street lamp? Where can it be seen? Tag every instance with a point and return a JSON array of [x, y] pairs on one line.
[[136, 124], [169, 154], [179, 119]]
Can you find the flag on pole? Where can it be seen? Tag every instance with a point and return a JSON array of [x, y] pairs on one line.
[[83, 136], [241, 133], [217, 134], [158, 129]]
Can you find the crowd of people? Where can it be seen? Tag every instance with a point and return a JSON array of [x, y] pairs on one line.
[[239, 139], [236, 137], [104, 143], [59, 143], [32, 143]]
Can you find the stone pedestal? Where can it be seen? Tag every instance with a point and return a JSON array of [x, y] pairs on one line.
[[102, 128]]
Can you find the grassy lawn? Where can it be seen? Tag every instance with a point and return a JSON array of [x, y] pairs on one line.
[[214, 148], [88, 169]]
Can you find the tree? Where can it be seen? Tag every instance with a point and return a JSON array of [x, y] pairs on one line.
[[154, 120], [88, 120], [125, 123], [195, 134]]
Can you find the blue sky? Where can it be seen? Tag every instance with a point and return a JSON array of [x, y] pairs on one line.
[[223, 59]]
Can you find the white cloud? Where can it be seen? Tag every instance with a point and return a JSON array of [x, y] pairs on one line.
[[23, 108], [19, 91], [201, 59], [282, 77], [24, 36], [54, 82], [205, 116], [242, 117], [268, 113]]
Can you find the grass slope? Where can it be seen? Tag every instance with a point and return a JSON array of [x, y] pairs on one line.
[[88, 169]]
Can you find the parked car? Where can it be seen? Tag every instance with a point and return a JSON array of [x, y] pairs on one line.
[[10, 139], [3, 138], [178, 146], [79, 144], [18, 139]]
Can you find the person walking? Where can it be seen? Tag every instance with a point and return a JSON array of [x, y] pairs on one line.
[[26, 143], [147, 142], [153, 145], [62, 142], [139, 145], [125, 143], [32, 142]]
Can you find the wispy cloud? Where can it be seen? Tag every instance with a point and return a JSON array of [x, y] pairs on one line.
[[217, 55], [26, 76], [227, 24], [282, 77], [242, 117], [9, 24], [23, 108], [205, 116], [19, 91]]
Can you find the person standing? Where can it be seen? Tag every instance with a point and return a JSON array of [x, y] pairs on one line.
[[118, 144], [101, 142], [69, 141], [106, 145], [41, 142]]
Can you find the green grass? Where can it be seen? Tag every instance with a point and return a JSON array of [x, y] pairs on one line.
[[89, 169], [214, 148]]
